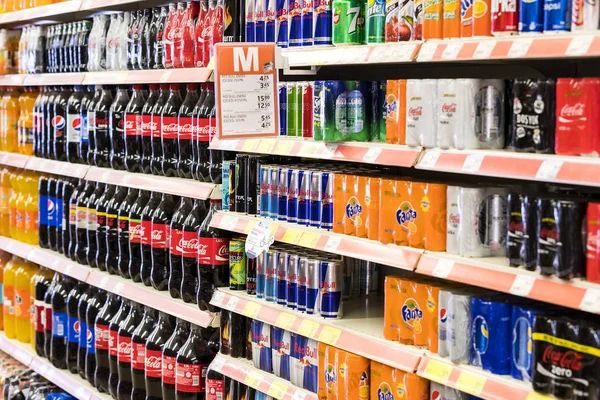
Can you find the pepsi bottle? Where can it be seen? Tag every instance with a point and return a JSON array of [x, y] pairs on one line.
[[136, 233], [73, 325], [170, 129], [48, 138], [146, 245], [102, 341], [116, 128], [186, 133], [95, 304], [84, 332], [59, 125], [148, 127], [123, 232], [125, 387], [58, 343], [133, 129], [87, 144], [74, 124], [92, 224], [41, 287], [177, 245], [160, 240], [113, 346], [102, 227], [112, 230], [102, 143], [138, 354], [170, 351], [48, 315], [154, 347], [52, 209]]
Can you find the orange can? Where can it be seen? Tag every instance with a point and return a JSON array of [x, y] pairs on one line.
[[401, 133], [331, 373], [362, 210], [392, 107], [353, 377], [323, 371], [391, 309], [452, 22], [387, 201], [340, 199], [394, 384], [353, 208], [432, 15], [433, 204], [482, 18], [372, 204], [430, 318], [416, 230], [466, 18], [407, 221]]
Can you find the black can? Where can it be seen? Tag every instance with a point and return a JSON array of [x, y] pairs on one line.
[[251, 264], [570, 261], [515, 233], [241, 194], [233, 26], [237, 338], [233, 183], [547, 235], [529, 247], [225, 329], [248, 339], [253, 186]]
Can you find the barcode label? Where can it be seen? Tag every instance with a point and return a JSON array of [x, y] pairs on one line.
[[195, 380]]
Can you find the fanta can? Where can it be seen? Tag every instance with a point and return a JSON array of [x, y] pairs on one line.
[[392, 99], [452, 22], [353, 376], [387, 199], [393, 384], [482, 18], [432, 15], [353, 208], [340, 200], [466, 18], [372, 206]]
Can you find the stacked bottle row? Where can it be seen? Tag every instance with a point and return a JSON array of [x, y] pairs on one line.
[[16, 119], [16, 5], [19, 204], [20, 383]]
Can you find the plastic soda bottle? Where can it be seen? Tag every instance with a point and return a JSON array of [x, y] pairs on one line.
[[27, 100], [10, 118], [12, 204], [5, 192], [4, 259], [20, 207], [8, 297], [30, 234], [23, 300]]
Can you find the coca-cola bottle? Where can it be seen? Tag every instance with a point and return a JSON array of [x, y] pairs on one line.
[[87, 144], [102, 143], [205, 129], [195, 113], [159, 43], [112, 231], [213, 258], [74, 326], [41, 287], [144, 50], [160, 239], [48, 314], [153, 363], [192, 363], [59, 125], [215, 385], [70, 240], [124, 346], [207, 32], [58, 343], [147, 128], [85, 334], [186, 133], [185, 51], [102, 340], [92, 224], [70, 187], [169, 35], [136, 233], [133, 129], [116, 125], [138, 353], [169, 361], [113, 345], [95, 305], [199, 33], [88, 95], [123, 232], [146, 245], [80, 243], [149, 40], [217, 26], [176, 246], [102, 227], [178, 35], [132, 33], [189, 253], [170, 129], [74, 124], [156, 130]]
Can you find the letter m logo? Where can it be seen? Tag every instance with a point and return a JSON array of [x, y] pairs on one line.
[[245, 59]]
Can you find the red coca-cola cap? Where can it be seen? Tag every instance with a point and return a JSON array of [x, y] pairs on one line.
[[175, 86], [191, 86], [164, 86], [138, 87], [154, 86]]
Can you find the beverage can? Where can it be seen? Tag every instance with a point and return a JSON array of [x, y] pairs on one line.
[[570, 255], [250, 25], [318, 110], [307, 22], [261, 275], [375, 21], [584, 15], [433, 207], [490, 335], [273, 192], [280, 348], [304, 362], [521, 366], [283, 99], [322, 22], [458, 326], [295, 23], [237, 264], [265, 187], [557, 16], [482, 18], [505, 17], [490, 114], [359, 211], [292, 195], [316, 198], [294, 109], [307, 109], [348, 22], [531, 16], [282, 277], [293, 266], [281, 22], [313, 282], [304, 183], [261, 346], [328, 203], [260, 14], [372, 196], [334, 106], [331, 289], [385, 381], [399, 17], [282, 192], [270, 22], [593, 244], [302, 279], [466, 18], [340, 200], [421, 122], [447, 113], [271, 274], [434, 18], [353, 209]]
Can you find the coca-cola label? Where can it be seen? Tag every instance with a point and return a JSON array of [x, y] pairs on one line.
[[189, 379], [124, 349], [147, 124], [215, 389], [189, 244], [101, 219], [123, 224], [113, 336], [146, 232], [92, 219], [168, 370], [170, 127], [160, 236], [47, 317], [175, 242], [186, 128], [572, 111], [131, 125], [206, 128], [136, 231], [153, 363], [112, 221], [560, 358], [102, 337], [213, 251], [138, 356]]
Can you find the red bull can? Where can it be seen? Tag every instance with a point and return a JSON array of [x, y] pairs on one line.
[[270, 22], [250, 22], [265, 187], [261, 346], [304, 362], [307, 22], [307, 109], [280, 349], [282, 277], [331, 283], [295, 21], [282, 23], [261, 277], [304, 200], [282, 193], [322, 22], [292, 280], [260, 19], [271, 262], [292, 197], [313, 292], [302, 275], [327, 200], [273, 191], [316, 197]]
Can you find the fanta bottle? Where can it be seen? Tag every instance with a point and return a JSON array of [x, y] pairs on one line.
[[8, 297], [26, 136], [5, 192], [23, 276], [12, 203], [30, 234], [4, 259], [3, 117], [20, 206], [11, 118]]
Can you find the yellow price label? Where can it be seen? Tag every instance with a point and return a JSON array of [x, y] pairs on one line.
[[471, 383], [285, 321], [253, 379], [266, 146], [437, 371], [251, 224], [292, 236], [277, 389], [309, 239], [329, 335], [273, 229], [251, 309], [537, 396], [308, 328], [250, 145], [284, 147]]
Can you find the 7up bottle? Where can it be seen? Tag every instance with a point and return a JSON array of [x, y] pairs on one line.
[[376, 21], [349, 22]]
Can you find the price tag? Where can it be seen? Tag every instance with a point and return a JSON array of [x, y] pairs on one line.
[[470, 383], [232, 303], [437, 371], [443, 268], [277, 389], [519, 48], [472, 163], [228, 223], [484, 49], [429, 159], [284, 147], [591, 301], [332, 244], [259, 239], [285, 321], [579, 45], [549, 169], [427, 51], [251, 309], [307, 150], [451, 51], [253, 379], [103, 282], [118, 287], [217, 364], [372, 155], [330, 149], [299, 395], [250, 145], [292, 236], [329, 335], [309, 239], [538, 396], [266, 146], [308, 328], [522, 285], [217, 298]]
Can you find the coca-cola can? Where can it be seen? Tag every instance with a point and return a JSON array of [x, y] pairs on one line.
[[505, 17], [585, 15], [447, 116], [421, 116]]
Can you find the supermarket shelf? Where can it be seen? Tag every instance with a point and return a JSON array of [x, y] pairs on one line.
[[57, 167], [372, 153], [15, 247], [43, 12], [13, 159], [244, 371], [12, 79], [395, 256], [360, 330], [71, 383], [69, 78], [505, 164]]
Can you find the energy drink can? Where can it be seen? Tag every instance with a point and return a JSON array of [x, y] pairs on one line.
[[260, 11], [313, 281], [304, 199], [281, 23], [280, 347], [323, 22], [282, 193], [331, 282], [252, 185], [292, 197], [261, 277], [225, 186], [272, 262], [302, 280], [273, 192], [304, 362], [327, 200], [282, 277], [292, 280], [250, 21], [261, 346], [295, 21], [251, 269], [233, 182], [241, 194], [307, 22], [307, 109], [316, 198], [270, 22], [237, 264], [294, 109], [283, 99], [265, 188]]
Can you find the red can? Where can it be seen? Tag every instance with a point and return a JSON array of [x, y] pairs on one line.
[[505, 17], [307, 109], [593, 243]]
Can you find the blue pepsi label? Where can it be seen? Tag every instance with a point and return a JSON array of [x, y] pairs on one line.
[[51, 210], [557, 15], [84, 128], [58, 222], [82, 335], [59, 324], [73, 330], [90, 340], [43, 210]]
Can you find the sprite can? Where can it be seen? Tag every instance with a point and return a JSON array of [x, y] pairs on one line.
[[376, 21], [349, 22]]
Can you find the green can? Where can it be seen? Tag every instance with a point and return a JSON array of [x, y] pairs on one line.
[[349, 22], [237, 264], [294, 109], [376, 21], [383, 110], [358, 122]]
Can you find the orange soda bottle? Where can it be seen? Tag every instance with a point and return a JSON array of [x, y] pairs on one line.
[[20, 206], [4, 259], [27, 100], [8, 297], [30, 234], [5, 192], [12, 203], [23, 300], [12, 111]]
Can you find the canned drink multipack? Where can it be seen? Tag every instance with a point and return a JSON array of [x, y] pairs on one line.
[[584, 15], [454, 325], [261, 346], [557, 15], [522, 340], [421, 116], [304, 362], [505, 17], [342, 375], [592, 273], [281, 352], [490, 335], [391, 383]]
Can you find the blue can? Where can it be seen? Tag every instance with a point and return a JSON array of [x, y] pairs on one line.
[[531, 16], [226, 176], [327, 200], [261, 277], [280, 348], [490, 335], [260, 16], [304, 362], [282, 277], [557, 15], [307, 22], [271, 262], [304, 211], [270, 22], [323, 22], [273, 192], [250, 22], [261, 345], [265, 186], [522, 343], [282, 23], [316, 198], [313, 282], [282, 193], [282, 109], [292, 198], [295, 11], [330, 285]]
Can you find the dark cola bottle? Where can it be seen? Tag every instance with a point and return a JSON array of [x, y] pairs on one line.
[[192, 364], [43, 211], [69, 187], [123, 232], [189, 254], [159, 47], [102, 227], [38, 122], [92, 224], [213, 258], [160, 239], [95, 304], [144, 33], [215, 385], [101, 151], [131, 40], [135, 235], [48, 314], [138, 353], [40, 288], [195, 120], [74, 123], [88, 149], [149, 40], [116, 121], [48, 138], [80, 250], [205, 124], [70, 240], [170, 129], [84, 138], [112, 230], [156, 130], [153, 362], [59, 125], [74, 326], [186, 133], [147, 128], [113, 346], [58, 343], [176, 246], [84, 333], [170, 351], [146, 245], [129, 325], [133, 129], [102, 340]]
